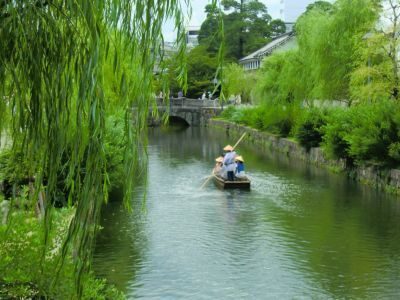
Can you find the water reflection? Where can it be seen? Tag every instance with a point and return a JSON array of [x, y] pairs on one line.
[[121, 244], [300, 231]]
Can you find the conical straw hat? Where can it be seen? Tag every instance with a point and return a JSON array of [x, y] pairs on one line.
[[219, 159], [239, 158], [228, 148]]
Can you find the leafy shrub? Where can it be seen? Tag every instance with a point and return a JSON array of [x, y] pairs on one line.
[[367, 132], [13, 166], [228, 112], [394, 151], [114, 149], [334, 139], [274, 118], [25, 274], [280, 119], [254, 117], [374, 130], [308, 129]]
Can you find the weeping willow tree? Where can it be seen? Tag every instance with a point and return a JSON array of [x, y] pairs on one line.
[[322, 64], [237, 83], [376, 76], [54, 100]]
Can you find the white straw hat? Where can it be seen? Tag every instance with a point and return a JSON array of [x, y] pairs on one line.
[[239, 158], [228, 148]]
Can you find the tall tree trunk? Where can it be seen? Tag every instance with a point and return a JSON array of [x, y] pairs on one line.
[[242, 28]]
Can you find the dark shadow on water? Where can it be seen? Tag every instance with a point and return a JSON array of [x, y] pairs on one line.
[[176, 122]]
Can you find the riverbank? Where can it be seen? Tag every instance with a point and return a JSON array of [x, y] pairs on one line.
[[384, 179]]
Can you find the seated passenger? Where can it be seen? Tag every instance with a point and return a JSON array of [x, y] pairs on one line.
[[218, 166], [240, 167]]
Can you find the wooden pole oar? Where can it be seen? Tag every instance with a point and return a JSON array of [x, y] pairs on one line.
[[212, 174], [241, 138], [208, 179]]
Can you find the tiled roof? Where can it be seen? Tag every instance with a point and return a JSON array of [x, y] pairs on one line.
[[268, 48]]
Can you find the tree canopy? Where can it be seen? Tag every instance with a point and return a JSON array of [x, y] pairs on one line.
[[322, 65], [247, 24]]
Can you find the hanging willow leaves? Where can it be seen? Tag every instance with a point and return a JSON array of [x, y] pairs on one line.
[[54, 101]]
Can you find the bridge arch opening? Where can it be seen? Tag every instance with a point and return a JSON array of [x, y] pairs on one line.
[[177, 121]]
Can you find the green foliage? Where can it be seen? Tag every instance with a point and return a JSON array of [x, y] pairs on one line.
[[322, 65], [275, 119], [246, 23], [114, 148], [202, 67], [279, 81], [375, 128], [334, 141], [373, 79], [367, 133], [394, 151], [57, 58], [280, 119], [25, 273], [320, 5], [308, 129], [364, 133], [237, 82], [14, 167]]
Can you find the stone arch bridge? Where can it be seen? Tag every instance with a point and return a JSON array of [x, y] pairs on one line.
[[194, 112]]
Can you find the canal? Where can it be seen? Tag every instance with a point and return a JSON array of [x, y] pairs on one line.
[[301, 232]]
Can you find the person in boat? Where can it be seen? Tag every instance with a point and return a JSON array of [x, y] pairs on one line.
[[229, 162], [240, 167], [219, 166]]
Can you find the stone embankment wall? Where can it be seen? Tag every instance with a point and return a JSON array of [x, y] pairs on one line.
[[384, 179]]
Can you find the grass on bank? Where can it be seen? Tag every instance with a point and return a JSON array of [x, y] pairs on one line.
[[25, 273]]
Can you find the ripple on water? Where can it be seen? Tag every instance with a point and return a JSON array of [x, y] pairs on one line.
[[291, 237]]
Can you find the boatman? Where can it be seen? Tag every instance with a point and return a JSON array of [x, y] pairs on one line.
[[229, 162]]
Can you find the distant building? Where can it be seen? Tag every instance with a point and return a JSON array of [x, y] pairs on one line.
[[289, 11], [169, 50], [281, 43], [192, 33], [289, 26]]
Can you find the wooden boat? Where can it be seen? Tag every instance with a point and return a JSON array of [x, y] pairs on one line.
[[239, 183]]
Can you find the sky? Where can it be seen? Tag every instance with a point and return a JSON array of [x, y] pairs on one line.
[[198, 15]]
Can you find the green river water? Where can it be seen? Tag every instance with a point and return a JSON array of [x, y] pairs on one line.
[[300, 233]]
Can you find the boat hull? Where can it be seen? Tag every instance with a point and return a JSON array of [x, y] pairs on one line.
[[243, 184]]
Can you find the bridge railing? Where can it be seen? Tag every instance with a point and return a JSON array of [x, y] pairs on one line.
[[186, 102]]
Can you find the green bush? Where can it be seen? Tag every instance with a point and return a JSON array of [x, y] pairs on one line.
[[114, 149], [374, 129], [274, 118], [308, 129], [26, 274], [255, 117], [280, 119], [394, 151], [15, 169], [368, 132], [228, 112]]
